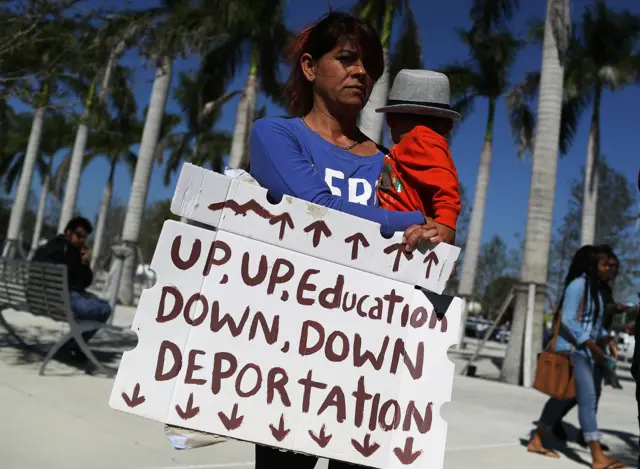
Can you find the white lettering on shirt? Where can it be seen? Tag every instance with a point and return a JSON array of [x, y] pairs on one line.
[[359, 190], [362, 197], [329, 176]]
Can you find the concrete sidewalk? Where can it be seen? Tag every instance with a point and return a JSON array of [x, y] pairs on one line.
[[62, 420]]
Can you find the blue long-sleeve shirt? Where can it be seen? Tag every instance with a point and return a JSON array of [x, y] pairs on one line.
[[287, 158], [575, 332]]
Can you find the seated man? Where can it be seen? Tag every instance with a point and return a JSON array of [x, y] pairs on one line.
[[70, 249]]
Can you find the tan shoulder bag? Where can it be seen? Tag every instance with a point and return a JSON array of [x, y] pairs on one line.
[[554, 370]]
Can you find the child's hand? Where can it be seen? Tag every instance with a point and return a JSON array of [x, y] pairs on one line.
[[444, 233]]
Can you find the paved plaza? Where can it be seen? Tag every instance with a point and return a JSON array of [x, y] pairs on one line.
[[63, 421]]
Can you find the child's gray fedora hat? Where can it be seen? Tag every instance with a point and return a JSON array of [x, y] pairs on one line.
[[422, 92]]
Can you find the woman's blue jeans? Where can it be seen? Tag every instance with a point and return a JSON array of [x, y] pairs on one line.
[[588, 384]]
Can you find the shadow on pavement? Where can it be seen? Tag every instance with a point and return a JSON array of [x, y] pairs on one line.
[[107, 345]]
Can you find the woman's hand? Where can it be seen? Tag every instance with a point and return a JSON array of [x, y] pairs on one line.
[[430, 232], [418, 234], [596, 352]]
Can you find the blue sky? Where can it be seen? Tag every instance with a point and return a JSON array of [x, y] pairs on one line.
[[509, 182]]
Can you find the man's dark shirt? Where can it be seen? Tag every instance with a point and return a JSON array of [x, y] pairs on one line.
[[60, 251], [607, 300]]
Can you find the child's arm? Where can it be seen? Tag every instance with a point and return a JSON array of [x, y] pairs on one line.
[[428, 167], [440, 184]]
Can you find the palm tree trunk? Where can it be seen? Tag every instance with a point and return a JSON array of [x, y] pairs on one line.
[[80, 144], [42, 205], [24, 186], [252, 101], [591, 175], [541, 200], [101, 223], [372, 122], [472, 246], [243, 114], [140, 186]]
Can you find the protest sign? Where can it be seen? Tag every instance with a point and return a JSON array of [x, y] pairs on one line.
[[276, 339]]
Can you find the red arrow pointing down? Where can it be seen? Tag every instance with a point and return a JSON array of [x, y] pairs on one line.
[[406, 455], [281, 432], [190, 411], [366, 449], [136, 399], [323, 439], [233, 422]]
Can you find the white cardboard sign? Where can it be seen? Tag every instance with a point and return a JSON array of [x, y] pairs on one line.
[[283, 342]]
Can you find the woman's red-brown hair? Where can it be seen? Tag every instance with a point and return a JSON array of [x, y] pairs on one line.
[[333, 30]]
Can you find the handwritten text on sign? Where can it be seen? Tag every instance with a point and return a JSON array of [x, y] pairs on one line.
[[252, 341]]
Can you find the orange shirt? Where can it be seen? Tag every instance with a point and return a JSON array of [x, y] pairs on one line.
[[419, 174]]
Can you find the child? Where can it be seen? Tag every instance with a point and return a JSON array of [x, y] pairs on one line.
[[418, 172]]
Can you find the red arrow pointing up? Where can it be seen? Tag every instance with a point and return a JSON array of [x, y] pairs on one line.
[[322, 440], [400, 251], [366, 449], [406, 455], [136, 399], [431, 259], [233, 422], [281, 432], [284, 219], [191, 410], [319, 228], [356, 239]]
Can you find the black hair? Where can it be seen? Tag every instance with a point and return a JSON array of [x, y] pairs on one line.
[[334, 29], [585, 264], [608, 250], [79, 222]]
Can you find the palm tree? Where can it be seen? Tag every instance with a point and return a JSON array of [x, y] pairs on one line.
[[164, 40], [56, 135], [484, 75], [55, 56], [114, 145], [209, 145], [257, 33], [116, 36], [407, 54], [557, 28], [605, 55], [112, 138]]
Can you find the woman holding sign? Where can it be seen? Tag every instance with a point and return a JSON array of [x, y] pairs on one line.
[[320, 155]]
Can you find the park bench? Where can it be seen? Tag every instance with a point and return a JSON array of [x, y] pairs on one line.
[[41, 289]]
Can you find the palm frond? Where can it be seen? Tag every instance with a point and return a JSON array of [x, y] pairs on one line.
[[407, 52], [213, 107], [462, 80], [489, 14], [269, 57], [60, 176], [521, 116], [572, 109], [13, 172], [177, 144]]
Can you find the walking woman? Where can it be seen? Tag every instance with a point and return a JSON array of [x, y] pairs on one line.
[[582, 315], [320, 155]]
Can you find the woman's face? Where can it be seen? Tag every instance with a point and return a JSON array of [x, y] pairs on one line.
[[339, 77], [603, 267]]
